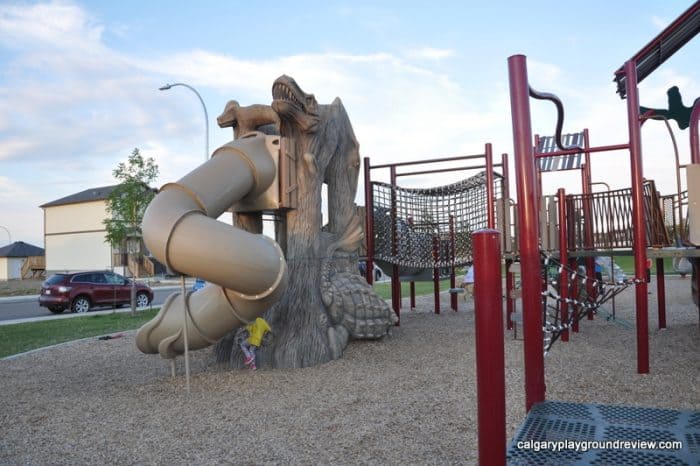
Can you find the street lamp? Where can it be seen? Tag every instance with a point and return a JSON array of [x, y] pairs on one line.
[[206, 115], [8, 233]]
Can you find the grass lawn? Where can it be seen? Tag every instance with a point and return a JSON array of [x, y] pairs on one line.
[[18, 338], [626, 263], [383, 289]]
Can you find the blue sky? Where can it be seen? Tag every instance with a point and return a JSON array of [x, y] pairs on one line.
[[79, 82]]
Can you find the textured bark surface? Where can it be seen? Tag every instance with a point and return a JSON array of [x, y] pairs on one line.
[[326, 302]]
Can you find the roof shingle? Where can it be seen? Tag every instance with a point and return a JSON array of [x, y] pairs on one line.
[[21, 249]]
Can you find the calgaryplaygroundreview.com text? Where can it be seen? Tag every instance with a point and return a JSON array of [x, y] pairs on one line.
[[586, 445]]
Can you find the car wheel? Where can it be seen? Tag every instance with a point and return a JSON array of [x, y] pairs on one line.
[[81, 304], [142, 300], [377, 275], [56, 310]]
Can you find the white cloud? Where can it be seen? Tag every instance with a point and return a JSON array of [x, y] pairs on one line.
[[429, 53]]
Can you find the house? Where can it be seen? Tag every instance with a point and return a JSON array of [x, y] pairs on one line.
[[21, 260], [74, 235]]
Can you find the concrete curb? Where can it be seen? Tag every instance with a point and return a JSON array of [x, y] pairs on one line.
[[71, 315]]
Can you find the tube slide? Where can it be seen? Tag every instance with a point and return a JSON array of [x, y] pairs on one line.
[[247, 272]]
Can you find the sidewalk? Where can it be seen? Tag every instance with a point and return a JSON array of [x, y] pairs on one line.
[[70, 315]]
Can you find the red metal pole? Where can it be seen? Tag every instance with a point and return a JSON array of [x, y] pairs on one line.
[[369, 223], [588, 220], [489, 186], [453, 278], [436, 274], [395, 281], [510, 283], [563, 260], [412, 284], [529, 226], [490, 364], [661, 291], [694, 137], [538, 172], [506, 199], [638, 220]]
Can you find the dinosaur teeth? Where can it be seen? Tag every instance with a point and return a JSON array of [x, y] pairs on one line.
[[282, 92]]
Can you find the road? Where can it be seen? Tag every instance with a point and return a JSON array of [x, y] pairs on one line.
[[26, 307]]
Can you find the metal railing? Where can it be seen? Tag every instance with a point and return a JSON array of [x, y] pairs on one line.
[[610, 222]]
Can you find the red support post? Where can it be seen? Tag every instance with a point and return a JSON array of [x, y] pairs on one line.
[[661, 291], [638, 220], [588, 220], [436, 274], [489, 186], [694, 136], [453, 278], [395, 281], [412, 284], [563, 260], [529, 231], [369, 223], [510, 301], [490, 364]]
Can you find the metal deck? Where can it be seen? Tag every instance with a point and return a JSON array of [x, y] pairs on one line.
[[564, 424]]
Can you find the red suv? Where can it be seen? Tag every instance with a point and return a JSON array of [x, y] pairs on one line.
[[83, 290]]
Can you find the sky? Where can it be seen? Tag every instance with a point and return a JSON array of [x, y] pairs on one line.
[[79, 83]]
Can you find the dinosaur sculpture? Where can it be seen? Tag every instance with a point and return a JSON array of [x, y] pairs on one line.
[[327, 302], [354, 308]]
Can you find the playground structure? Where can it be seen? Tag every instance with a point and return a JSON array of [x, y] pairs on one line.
[[306, 283], [627, 77], [412, 233], [419, 234], [566, 229], [188, 209]]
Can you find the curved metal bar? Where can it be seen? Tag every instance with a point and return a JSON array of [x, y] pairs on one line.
[[560, 116], [650, 116]]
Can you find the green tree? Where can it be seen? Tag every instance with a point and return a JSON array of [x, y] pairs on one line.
[[127, 203]]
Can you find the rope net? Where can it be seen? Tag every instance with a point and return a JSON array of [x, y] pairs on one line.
[[427, 228], [584, 294]]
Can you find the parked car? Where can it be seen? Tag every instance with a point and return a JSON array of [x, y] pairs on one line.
[[82, 291]]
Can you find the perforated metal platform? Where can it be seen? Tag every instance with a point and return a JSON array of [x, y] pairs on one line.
[[557, 433]]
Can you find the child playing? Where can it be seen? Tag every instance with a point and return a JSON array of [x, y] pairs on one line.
[[256, 331], [468, 282]]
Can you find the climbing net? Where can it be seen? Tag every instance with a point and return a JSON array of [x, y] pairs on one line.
[[584, 294], [426, 228]]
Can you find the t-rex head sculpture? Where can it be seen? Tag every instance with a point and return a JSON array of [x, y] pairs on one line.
[[294, 105]]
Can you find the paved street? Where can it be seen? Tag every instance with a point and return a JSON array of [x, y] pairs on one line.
[[27, 307]]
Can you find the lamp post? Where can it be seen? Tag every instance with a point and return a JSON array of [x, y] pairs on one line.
[[206, 115], [8, 233]]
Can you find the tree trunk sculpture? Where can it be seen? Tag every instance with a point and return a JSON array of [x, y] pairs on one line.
[[327, 302]]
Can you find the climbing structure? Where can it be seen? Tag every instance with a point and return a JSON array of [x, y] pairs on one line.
[[424, 228], [422, 234]]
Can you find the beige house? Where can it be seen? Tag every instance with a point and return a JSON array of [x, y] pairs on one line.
[[74, 235], [21, 260]]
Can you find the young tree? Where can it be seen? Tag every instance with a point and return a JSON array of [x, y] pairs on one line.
[[129, 199]]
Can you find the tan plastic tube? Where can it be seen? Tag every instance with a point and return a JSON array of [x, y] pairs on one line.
[[247, 272]]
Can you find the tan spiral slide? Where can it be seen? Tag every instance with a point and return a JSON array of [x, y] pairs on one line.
[[246, 272]]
